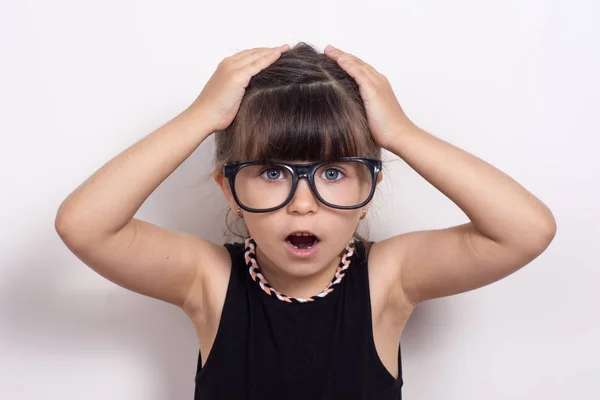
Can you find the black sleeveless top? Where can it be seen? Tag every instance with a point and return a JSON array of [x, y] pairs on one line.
[[266, 348]]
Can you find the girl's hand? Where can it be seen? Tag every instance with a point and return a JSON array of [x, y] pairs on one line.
[[384, 113], [219, 101]]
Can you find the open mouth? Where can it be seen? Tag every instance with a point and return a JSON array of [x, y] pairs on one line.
[[302, 240]]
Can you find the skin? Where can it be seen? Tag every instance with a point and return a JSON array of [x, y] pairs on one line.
[[508, 228], [334, 227]]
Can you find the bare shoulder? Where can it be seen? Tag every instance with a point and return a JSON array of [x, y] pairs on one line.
[[387, 295]]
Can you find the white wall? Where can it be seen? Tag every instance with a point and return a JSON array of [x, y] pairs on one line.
[[514, 82]]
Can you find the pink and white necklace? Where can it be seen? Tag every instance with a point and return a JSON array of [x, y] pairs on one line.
[[257, 276]]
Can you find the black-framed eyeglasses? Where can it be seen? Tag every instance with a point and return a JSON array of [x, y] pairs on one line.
[[346, 183]]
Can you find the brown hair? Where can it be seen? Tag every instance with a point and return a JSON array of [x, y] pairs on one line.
[[303, 106]]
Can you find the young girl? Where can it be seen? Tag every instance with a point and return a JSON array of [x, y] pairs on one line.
[[303, 307]]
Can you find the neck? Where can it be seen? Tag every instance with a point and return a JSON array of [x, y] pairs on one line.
[[304, 286]]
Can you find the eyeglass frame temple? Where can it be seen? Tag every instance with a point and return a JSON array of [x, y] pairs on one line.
[[299, 171]]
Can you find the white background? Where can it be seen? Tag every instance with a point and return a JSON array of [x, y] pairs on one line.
[[513, 82]]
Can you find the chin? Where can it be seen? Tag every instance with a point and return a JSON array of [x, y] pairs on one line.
[[303, 268]]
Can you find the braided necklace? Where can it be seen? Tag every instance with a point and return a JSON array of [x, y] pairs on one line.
[[257, 276]]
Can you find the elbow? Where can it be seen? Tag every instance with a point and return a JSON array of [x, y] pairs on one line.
[[551, 229], [541, 234], [65, 230], [70, 229], [62, 226], [547, 229]]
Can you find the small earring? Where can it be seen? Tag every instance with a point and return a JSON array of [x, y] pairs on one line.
[[364, 213], [239, 213]]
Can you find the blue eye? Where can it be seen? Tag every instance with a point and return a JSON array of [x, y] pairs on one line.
[[332, 173], [273, 173]]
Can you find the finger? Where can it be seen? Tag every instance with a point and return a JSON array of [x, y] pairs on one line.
[[333, 52], [357, 63], [258, 57], [253, 66], [355, 67], [245, 52], [251, 54]]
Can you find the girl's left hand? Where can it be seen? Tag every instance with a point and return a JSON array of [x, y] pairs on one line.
[[385, 115]]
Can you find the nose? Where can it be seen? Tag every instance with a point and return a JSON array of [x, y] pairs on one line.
[[304, 200]]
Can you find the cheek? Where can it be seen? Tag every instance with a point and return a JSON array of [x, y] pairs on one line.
[[338, 225], [264, 225], [345, 217]]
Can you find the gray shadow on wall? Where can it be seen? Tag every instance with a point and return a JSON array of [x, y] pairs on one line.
[[49, 316]]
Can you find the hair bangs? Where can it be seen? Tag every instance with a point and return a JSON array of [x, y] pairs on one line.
[[302, 122]]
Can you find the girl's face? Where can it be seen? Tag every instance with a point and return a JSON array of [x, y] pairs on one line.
[[333, 227]]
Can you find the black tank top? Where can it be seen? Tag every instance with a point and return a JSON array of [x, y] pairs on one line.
[[266, 348]]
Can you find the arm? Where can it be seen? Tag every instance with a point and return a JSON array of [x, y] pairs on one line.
[[96, 220], [509, 226]]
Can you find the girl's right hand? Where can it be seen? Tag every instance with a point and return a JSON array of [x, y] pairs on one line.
[[220, 99]]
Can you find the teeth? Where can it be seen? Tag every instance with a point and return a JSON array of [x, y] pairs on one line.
[[305, 248], [303, 234]]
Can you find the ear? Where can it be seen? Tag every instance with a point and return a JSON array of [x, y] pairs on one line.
[[379, 178], [223, 183]]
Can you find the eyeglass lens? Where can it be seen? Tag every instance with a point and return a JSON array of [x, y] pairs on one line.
[[263, 186]]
